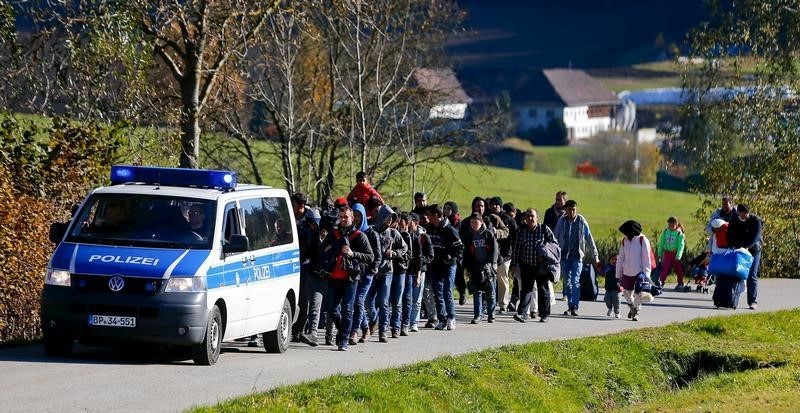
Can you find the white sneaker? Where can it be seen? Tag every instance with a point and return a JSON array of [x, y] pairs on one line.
[[616, 315], [414, 327], [610, 311], [451, 324], [441, 325]]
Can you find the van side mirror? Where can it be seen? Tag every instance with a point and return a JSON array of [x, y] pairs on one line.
[[238, 243], [57, 231]]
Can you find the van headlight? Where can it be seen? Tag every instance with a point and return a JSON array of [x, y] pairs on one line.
[[57, 277], [185, 285]]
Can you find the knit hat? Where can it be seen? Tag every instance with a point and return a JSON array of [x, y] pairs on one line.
[[630, 228], [340, 202], [313, 214]]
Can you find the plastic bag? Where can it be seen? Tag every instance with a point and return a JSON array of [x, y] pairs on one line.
[[733, 263]]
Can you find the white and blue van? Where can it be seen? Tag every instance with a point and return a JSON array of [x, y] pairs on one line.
[[179, 257]]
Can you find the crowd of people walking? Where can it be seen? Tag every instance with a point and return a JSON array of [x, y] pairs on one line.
[[368, 269]]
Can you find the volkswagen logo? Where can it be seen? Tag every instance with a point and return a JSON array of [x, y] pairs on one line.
[[116, 283]]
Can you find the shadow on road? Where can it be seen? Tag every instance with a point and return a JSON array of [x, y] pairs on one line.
[[128, 355]]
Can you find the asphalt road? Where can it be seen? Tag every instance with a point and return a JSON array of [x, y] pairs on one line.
[[104, 379]]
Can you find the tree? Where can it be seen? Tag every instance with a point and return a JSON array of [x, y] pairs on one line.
[[123, 59], [746, 140]]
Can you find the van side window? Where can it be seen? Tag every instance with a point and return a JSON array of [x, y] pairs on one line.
[[267, 222], [231, 225]]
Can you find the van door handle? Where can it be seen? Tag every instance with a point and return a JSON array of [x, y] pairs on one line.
[[244, 260], [253, 258]]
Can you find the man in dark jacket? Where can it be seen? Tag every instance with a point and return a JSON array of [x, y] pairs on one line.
[[342, 244], [447, 251], [379, 297], [494, 225], [526, 258], [422, 254], [505, 276], [481, 254], [744, 231], [364, 284], [552, 214], [308, 236]]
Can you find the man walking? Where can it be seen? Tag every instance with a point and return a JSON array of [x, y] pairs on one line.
[[530, 238], [447, 251], [744, 231], [575, 239]]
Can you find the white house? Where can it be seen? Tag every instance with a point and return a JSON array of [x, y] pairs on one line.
[[584, 105]]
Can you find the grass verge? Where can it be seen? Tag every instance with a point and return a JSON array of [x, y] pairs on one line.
[[716, 364]]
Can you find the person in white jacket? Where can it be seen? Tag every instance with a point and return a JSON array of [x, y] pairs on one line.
[[632, 260]]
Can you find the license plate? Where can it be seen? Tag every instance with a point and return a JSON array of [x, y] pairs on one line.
[[111, 321]]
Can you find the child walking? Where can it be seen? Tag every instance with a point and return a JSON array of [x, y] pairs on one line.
[[670, 251], [613, 289]]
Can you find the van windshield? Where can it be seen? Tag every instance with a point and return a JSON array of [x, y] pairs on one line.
[[145, 221]]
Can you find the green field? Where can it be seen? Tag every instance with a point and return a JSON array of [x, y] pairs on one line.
[[606, 205], [738, 363]]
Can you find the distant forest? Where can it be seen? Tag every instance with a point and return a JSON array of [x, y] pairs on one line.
[[580, 33]]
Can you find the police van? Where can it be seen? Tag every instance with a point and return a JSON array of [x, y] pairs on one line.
[[179, 257]]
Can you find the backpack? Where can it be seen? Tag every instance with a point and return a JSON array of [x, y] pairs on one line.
[[330, 256], [653, 263]]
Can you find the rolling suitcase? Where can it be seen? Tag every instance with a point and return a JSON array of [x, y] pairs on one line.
[[589, 287], [727, 291]]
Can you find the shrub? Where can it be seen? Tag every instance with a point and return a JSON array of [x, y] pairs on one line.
[[613, 153], [44, 168]]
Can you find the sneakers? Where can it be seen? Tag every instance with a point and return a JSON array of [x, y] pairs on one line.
[[500, 310], [511, 307], [373, 328], [630, 311], [328, 340], [441, 325], [414, 328], [616, 315], [609, 313], [462, 298], [518, 318], [430, 324], [403, 331], [364, 335], [475, 320], [490, 320], [634, 314], [679, 287], [573, 312], [255, 341], [352, 341], [382, 338], [341, 348], [543, 320], [395, 333], [754, 306], [451, 324], [309, 339], [534, 314]]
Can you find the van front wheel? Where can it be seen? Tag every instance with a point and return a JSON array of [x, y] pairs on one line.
[[207, 352], [278, 341]]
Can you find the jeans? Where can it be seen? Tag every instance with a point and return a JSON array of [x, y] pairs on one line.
[[504, 284], [341, 295], [428, 297], [571, 274], [317, 289], [382, 285], [479, 292], [302, 302], [360, 309], [443, 279], [396, 298], [752, 278], [414, 295]]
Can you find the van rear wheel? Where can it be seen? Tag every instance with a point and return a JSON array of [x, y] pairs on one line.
[[278, 341], [207, 352]]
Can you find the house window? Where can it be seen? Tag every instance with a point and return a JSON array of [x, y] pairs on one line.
[[532, 113], [550, 113]]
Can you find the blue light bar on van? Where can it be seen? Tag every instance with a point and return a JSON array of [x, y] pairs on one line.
[[203, 178]]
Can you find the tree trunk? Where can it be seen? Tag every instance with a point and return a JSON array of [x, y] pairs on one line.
[[190, 116]]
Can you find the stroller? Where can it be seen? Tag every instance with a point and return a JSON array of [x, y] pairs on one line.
[[699, 271]]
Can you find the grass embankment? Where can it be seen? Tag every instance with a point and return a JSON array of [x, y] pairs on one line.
[[739, 363]]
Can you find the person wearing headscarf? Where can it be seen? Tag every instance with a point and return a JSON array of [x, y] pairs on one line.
[[633, 262]]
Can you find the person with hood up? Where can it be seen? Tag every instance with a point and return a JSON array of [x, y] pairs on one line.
[[392, 245], [363, 191], [633, 259], [481, 253], [364, 284]]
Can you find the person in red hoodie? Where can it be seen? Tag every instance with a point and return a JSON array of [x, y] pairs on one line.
[[363, 190]]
